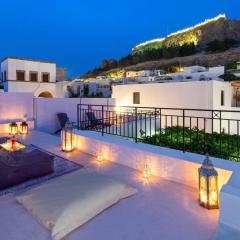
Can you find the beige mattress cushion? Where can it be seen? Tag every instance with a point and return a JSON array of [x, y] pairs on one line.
[[66, 203]]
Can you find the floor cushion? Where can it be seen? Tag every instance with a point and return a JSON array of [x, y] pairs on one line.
[[68, 202]]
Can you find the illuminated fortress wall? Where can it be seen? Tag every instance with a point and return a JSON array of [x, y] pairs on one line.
[[218, 27]]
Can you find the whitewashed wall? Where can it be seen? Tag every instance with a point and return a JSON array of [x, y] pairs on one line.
[[15, 107], [197, 95], [11, 65], [36, 88], [171, 164], [167, 95], [47, 108]]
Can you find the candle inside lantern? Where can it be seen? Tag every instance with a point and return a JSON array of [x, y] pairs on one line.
[[100, 157], [67, 138], [147, 171]]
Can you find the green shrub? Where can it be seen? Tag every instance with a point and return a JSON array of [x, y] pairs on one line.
[[197, 141]]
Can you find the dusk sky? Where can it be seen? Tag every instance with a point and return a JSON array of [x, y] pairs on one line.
[[78, 34]]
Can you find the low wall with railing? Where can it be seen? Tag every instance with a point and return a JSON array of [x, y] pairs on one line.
[[216, 132]]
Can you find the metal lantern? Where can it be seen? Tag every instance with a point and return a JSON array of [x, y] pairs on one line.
[[67, 138], [208, 185], [13, 128], [23, 128]]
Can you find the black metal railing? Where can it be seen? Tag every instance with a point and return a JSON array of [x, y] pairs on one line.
[[215, 132]]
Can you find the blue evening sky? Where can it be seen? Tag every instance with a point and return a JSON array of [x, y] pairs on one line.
[[78, 34]]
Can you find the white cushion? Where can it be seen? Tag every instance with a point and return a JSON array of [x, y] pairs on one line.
[[68, 202]]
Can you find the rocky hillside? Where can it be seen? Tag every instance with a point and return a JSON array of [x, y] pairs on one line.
[[213, 42], [208, 60], [219, 28]]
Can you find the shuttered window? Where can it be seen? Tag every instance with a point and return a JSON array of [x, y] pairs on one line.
[[222, 98], [33, 76], [45, 77], [136, 98], [20, 75]]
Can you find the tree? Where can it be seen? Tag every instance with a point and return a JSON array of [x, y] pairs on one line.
[[112, 63], [229, 77], [220, 46], [104, 65]]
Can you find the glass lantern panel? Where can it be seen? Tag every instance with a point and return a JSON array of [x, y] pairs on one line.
[[24, 129], [67, 141], [213, 191], [13, 130], [203, 190]]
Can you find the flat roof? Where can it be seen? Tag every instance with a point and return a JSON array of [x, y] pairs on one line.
[[27, 59]]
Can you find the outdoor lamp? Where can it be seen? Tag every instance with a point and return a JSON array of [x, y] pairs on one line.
[[23, 128], [147, 171], [13, 128], [67, 138], [208, 185]]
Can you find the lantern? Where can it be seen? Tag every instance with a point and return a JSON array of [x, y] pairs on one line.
[[13, 128], [147, 171], [23, 128], [67, 138], [208, 185], [100, 157]]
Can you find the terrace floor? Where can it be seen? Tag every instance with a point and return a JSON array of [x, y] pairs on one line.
[[160, 210]]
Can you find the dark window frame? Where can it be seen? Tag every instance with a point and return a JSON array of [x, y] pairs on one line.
[[136, 97], [30, 76], [222, 98], [24, 75], [45, 73]]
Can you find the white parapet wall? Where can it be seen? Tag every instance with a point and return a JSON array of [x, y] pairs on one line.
[[15, 107], [168, 163], [46, 110]]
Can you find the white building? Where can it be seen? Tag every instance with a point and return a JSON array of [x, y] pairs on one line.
[[143, 73], [211, 95], [197, 73], [192, 94], [101, 88], [42, 78]]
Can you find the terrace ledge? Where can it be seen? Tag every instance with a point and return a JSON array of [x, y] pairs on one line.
[[188, 156]]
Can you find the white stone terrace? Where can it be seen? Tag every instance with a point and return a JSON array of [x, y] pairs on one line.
[[160, 210]]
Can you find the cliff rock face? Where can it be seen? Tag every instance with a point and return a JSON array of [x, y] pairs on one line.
[[218, 28]]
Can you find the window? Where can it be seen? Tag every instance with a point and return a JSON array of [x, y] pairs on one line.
[[5, 76], [136, 98], [45, 77], [33, 76], [222, 98], [20, 75]]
